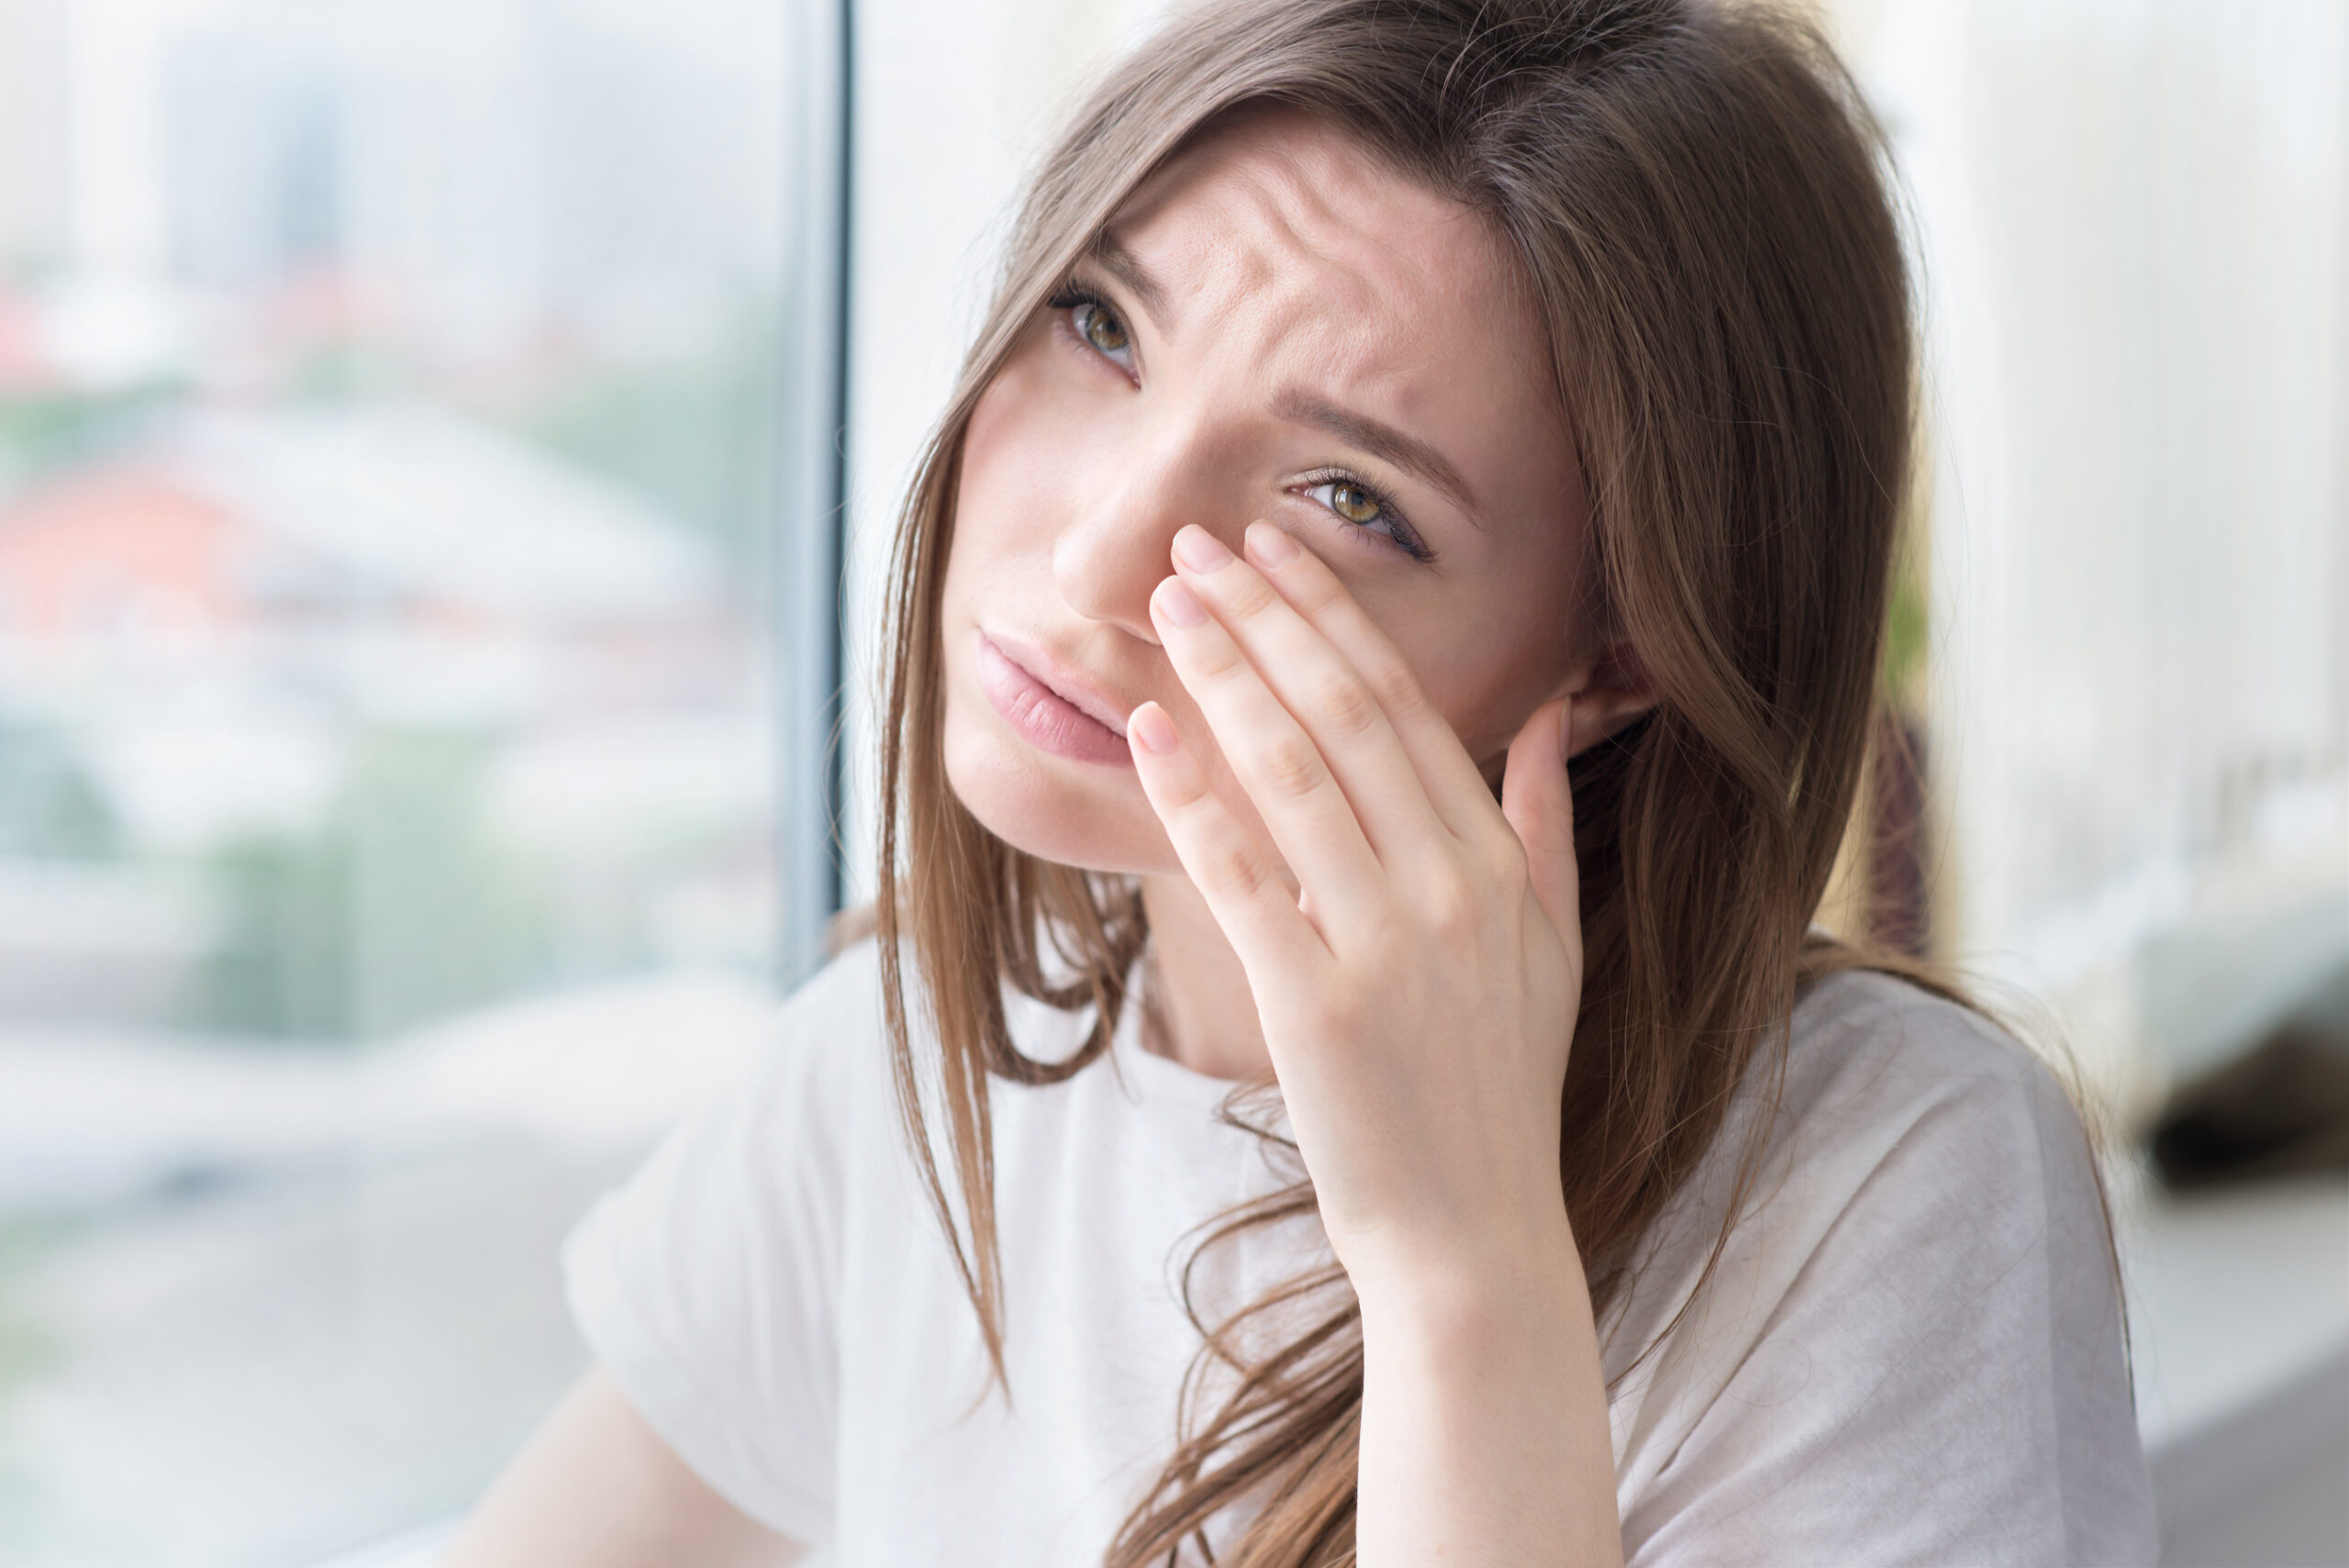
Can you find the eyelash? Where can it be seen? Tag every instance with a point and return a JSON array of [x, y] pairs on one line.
[[1072, 294], [1405, 538], [1067, 298]]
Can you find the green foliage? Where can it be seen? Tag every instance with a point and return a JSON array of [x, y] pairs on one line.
[[50, 806], [695, 438], [31, 1348], [48, 434], [1907, 632], [399, 909], [284, 963]]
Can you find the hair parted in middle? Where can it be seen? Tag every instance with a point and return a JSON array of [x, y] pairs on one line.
[[1698, 205]]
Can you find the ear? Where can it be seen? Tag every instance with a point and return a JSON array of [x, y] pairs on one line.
[[1610, 692]]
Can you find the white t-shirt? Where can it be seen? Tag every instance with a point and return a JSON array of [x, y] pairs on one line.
[[1911, 1351]]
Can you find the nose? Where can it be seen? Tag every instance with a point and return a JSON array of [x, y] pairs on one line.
[[1116, 549]]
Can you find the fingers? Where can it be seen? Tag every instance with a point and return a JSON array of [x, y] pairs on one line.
[[1232, 869], [1455, 791], [1539, 803], [1312, 682], [1275, 760]]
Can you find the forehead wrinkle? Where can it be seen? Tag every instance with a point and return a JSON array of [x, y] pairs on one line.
[[1269, 202], [1278, 205], [1321, 290], [1335, 319], [1324, 320]]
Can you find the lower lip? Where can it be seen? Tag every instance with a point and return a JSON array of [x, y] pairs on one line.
[[1042, 718]]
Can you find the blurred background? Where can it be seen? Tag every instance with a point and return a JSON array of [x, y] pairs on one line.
[[447, 452]]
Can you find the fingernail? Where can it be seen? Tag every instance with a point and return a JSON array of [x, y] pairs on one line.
[[1178, 603], [1566, 731], [1201, 551], [1154, 730], [1270, 546]]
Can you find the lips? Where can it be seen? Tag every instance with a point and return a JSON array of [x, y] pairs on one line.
[[1049, 708]]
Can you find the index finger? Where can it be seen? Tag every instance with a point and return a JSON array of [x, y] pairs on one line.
[[1454, 788]]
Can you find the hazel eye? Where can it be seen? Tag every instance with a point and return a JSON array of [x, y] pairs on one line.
[[1104, 331], [1355, 501], [1366, 513], [1352, 502]]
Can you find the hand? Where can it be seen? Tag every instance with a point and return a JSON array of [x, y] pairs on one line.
[[1419, 992]]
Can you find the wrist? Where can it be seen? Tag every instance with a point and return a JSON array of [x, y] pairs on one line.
[[1530, 1281], [1484, 1412]]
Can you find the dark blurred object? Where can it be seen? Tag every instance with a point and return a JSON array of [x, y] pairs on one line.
[[2280, 1110]]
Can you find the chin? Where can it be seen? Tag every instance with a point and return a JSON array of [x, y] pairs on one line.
[[1074, 814]]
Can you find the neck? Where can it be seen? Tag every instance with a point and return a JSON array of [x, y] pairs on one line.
[[1204, 1009]]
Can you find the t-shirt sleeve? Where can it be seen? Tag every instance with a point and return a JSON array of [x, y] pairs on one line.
[[706, 1287], [1939, 1373]]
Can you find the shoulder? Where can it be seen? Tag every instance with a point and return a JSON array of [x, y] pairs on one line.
[[800, 1109], [842, 998], [1910, 1348], [1900, 1136], [1865, 1033], [830, 1033], [1891, 1082]]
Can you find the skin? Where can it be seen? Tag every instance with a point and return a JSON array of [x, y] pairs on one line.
[[1315, 718]]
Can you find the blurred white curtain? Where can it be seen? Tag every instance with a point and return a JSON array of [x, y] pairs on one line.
[[2134, 222]]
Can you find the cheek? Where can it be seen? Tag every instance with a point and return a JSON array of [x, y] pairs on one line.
[[1012, 493], [995, 504], [1487, 662]]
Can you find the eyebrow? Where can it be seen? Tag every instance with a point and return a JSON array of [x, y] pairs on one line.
[[1385, 441], [1118, 262]]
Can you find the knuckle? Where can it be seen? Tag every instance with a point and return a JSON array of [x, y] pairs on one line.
[[1290, 766], [1398, 690], [1190, 796], [1217, 659], [1449, 907], [1248, 595], [1392, 939], [1240, 869], [1500, 864], [1346, 704]]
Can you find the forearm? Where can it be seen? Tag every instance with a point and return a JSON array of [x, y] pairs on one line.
[[596, 1487], [1484, 1423]]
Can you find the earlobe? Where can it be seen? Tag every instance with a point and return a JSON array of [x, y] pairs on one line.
[[1614, 694], [1604, 719]]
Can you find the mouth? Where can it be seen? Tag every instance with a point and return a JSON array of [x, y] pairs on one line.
[[1047, 707]]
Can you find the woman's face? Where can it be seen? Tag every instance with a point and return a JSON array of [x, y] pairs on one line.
[[1276, 327]]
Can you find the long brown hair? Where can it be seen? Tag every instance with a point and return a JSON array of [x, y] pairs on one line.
[[1697, 198]]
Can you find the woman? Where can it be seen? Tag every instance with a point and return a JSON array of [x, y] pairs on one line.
[[1386, 403]]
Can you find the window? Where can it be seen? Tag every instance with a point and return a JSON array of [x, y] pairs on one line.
[[416, 509], [2135, 222]]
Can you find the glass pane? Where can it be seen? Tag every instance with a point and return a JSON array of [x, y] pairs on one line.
[[388, 424]]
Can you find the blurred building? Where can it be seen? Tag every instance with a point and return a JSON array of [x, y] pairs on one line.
[[387, 449], [371, 564], [485, 174], [36, 175], [218, 632]]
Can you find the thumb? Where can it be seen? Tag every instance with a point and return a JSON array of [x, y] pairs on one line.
[[1539, 804]]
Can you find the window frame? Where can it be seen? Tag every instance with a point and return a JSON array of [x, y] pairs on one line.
[[807, 580]]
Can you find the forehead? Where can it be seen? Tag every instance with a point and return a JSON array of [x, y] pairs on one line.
[[1283, 186], [1297, 255]]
